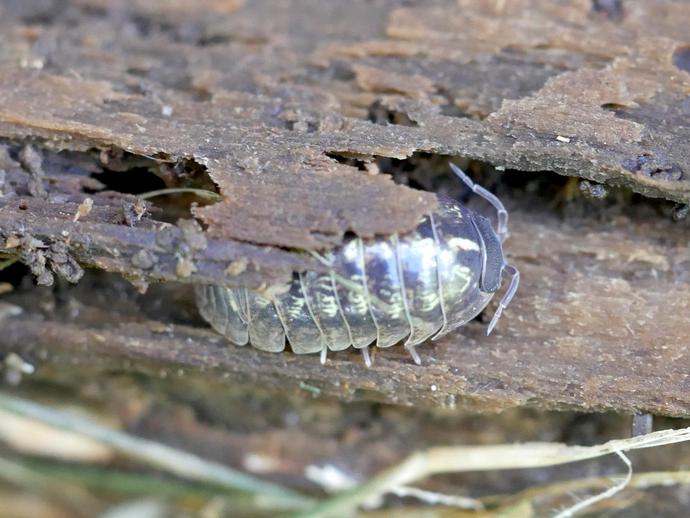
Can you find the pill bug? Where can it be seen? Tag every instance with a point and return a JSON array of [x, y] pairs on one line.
[[412, 287]]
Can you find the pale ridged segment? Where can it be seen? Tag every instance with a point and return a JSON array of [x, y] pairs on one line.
[[325, 308], [439, 279], [353, 294], [265, 328], [386, 291], [302, 332], [417, 256], [241, 297]]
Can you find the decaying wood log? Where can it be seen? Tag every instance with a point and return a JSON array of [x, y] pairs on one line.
[[599, 325], [287, 116]]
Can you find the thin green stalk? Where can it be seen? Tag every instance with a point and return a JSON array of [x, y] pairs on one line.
[[136, 485], [62, 491], [126, 482], [8, 262], [181, 463]]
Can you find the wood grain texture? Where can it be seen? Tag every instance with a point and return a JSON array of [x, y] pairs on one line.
[[263, 96], [291, 112]]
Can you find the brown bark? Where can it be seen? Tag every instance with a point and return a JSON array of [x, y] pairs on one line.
[[274, 111]]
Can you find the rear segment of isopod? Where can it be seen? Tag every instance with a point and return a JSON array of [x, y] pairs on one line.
[[222, 308], [242, 316]]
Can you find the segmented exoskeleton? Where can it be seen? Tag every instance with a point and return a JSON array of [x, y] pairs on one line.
[[412, 287]]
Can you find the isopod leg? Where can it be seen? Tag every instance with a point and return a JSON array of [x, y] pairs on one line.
[[366, 356], [415, 355], [502, 227], [507, 297]]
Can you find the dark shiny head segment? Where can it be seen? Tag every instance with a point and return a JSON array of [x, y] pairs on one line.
[[492, 255]]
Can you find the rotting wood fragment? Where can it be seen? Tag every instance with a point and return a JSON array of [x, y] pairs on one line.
[[149, 252], [118, 232]]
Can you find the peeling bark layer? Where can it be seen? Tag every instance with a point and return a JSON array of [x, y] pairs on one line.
[[260, 94]]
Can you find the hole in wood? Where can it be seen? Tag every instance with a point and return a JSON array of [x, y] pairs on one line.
[[681, 58]]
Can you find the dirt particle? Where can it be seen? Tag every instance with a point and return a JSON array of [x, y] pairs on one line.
[[62, 263], [83, 210], [166, 238], [133, 212], [608, 9], [193, 234], [9, 310], [46, 259], [12, 242], [681, 211], [33, 254], [273, 290], [139, 283], [372, 168], [657, 167], [32, 162], [236, 267], [160, 327], [681, 58], [185, 267], [15, 368], [380, 113], [144, 259], [593, 190]]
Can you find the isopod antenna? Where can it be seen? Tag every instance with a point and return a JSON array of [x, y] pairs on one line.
[[502, 233], [507, 297], [502, 213]]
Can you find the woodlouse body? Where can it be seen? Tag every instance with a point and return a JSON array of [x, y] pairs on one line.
[[416, 286]]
